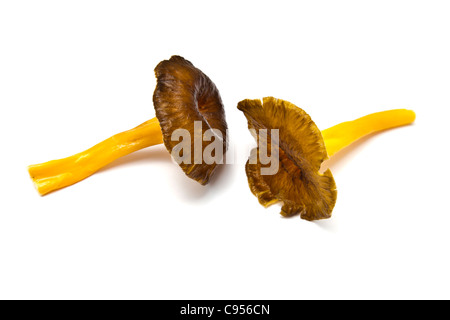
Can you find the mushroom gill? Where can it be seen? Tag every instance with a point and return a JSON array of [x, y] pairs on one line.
[[183, 96], [298, 183]]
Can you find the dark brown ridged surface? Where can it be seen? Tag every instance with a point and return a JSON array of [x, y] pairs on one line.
[[184, 94], [298, 183]]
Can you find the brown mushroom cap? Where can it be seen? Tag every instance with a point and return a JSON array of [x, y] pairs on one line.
[[298, 183], [184, 94]]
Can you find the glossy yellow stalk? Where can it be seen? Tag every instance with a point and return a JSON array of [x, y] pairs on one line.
[[343, 134], [57, 174]]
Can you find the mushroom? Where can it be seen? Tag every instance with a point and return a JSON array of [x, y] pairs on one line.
[[301, 148], [184, 98]]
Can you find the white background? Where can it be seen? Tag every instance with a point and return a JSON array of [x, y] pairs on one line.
[[72, 73]]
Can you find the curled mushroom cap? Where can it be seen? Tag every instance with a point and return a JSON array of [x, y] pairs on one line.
[[185, 95], [298, 183]]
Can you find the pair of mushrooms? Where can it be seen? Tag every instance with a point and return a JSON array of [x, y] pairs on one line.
[[183, 95]]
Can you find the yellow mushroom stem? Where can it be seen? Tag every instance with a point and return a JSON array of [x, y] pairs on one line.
[[57, 174], [345, 133]]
